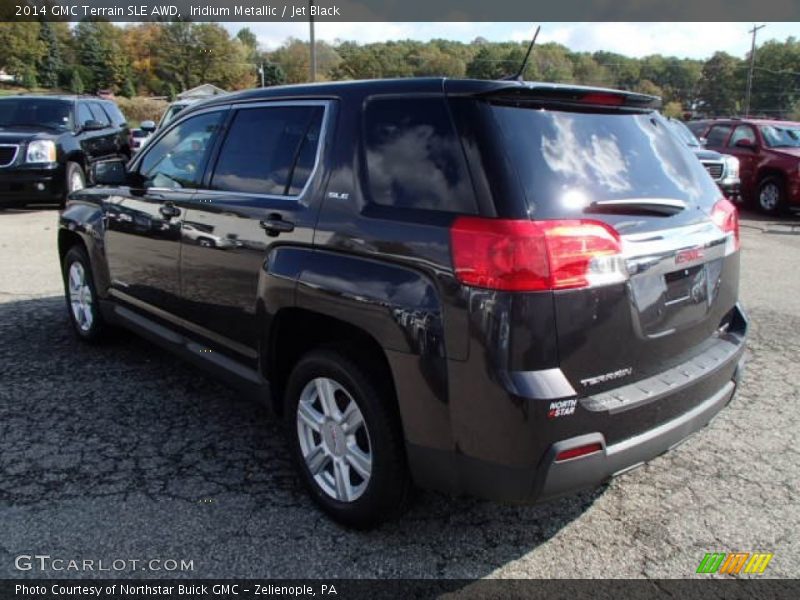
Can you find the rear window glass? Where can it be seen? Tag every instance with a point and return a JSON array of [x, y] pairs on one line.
[[414, 159], [564, 159]]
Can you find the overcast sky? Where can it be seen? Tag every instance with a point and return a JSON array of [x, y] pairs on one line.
[[693, 40]]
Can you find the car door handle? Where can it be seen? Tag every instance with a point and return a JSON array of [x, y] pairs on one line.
[[169, 210], [275, 225]]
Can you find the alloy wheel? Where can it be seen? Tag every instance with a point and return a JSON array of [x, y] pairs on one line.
[[76, 182], [769, 196], [80, 297], [334, 440]]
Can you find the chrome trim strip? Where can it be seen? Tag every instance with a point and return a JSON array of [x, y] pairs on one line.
[[655, 202], [718, 355], [710, 163], [657, 252], [13, 158], [188, 325], [323, 132], [544, 384], [137, 160]]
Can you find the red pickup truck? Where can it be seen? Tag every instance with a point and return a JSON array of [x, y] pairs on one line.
[[769, 159]]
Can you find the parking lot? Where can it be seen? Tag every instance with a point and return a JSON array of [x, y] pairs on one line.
[[124, 452]]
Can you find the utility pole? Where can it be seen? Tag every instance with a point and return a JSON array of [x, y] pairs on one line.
[[261, 70], [312, 44], [750, 73]]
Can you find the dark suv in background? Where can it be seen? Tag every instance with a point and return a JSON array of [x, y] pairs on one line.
[[48, 144], [723, 168], [769, 159], [508, 289]]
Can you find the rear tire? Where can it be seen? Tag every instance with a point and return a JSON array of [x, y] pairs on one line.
[[346, 439], [81, 296], [771, 198]]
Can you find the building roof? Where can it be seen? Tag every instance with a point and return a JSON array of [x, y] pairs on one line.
[[205, 90]]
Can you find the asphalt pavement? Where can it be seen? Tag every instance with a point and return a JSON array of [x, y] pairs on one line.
[[124, 453]]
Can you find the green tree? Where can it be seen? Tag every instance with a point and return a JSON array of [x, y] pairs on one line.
[[20, 47], [550, 62], [719, 93], [491, 62], [29, 78], [645, 86], [587, 71], [129, 89], [430, 60], [776, 78], [625, 71], [249, 40], [76, 83], [191, 54], [273, 74], [101, 51], [50, 65], [294, 57]]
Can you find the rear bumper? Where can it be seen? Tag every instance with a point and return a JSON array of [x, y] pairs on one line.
[[560, 478], [702, 385], [32, 186]]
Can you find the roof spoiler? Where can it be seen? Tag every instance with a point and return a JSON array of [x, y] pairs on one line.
[[572, 96]]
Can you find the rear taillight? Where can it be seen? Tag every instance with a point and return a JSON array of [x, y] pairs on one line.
[[726, 217], [579, 451], [519, 255]]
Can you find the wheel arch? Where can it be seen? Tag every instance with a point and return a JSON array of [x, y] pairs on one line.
[[389, 314], [296, 331], [77, 225], [769, 172]]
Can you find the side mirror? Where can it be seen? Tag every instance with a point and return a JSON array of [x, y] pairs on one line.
[[745, 143], [110, 172], [92, 125], [147, 126], [703, 141]]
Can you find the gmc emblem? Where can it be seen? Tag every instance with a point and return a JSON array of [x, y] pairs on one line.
[[688, 256]]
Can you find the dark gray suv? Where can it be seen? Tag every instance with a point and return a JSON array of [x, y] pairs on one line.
[[507, 289]]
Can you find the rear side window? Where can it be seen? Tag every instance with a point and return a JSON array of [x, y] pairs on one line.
[[269, 150], [564, 160], [114, 113], [98, 113], [717, 135], [84, 114], [414, 158]]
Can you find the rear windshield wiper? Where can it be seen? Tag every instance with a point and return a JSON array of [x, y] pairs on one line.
[[658, 206]]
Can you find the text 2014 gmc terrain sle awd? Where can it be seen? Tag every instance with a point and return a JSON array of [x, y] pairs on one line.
[[507, 289]]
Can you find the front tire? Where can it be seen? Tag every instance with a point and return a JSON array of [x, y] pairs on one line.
[[346, 439], [81, 296], [76, 180], [771, 196]]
